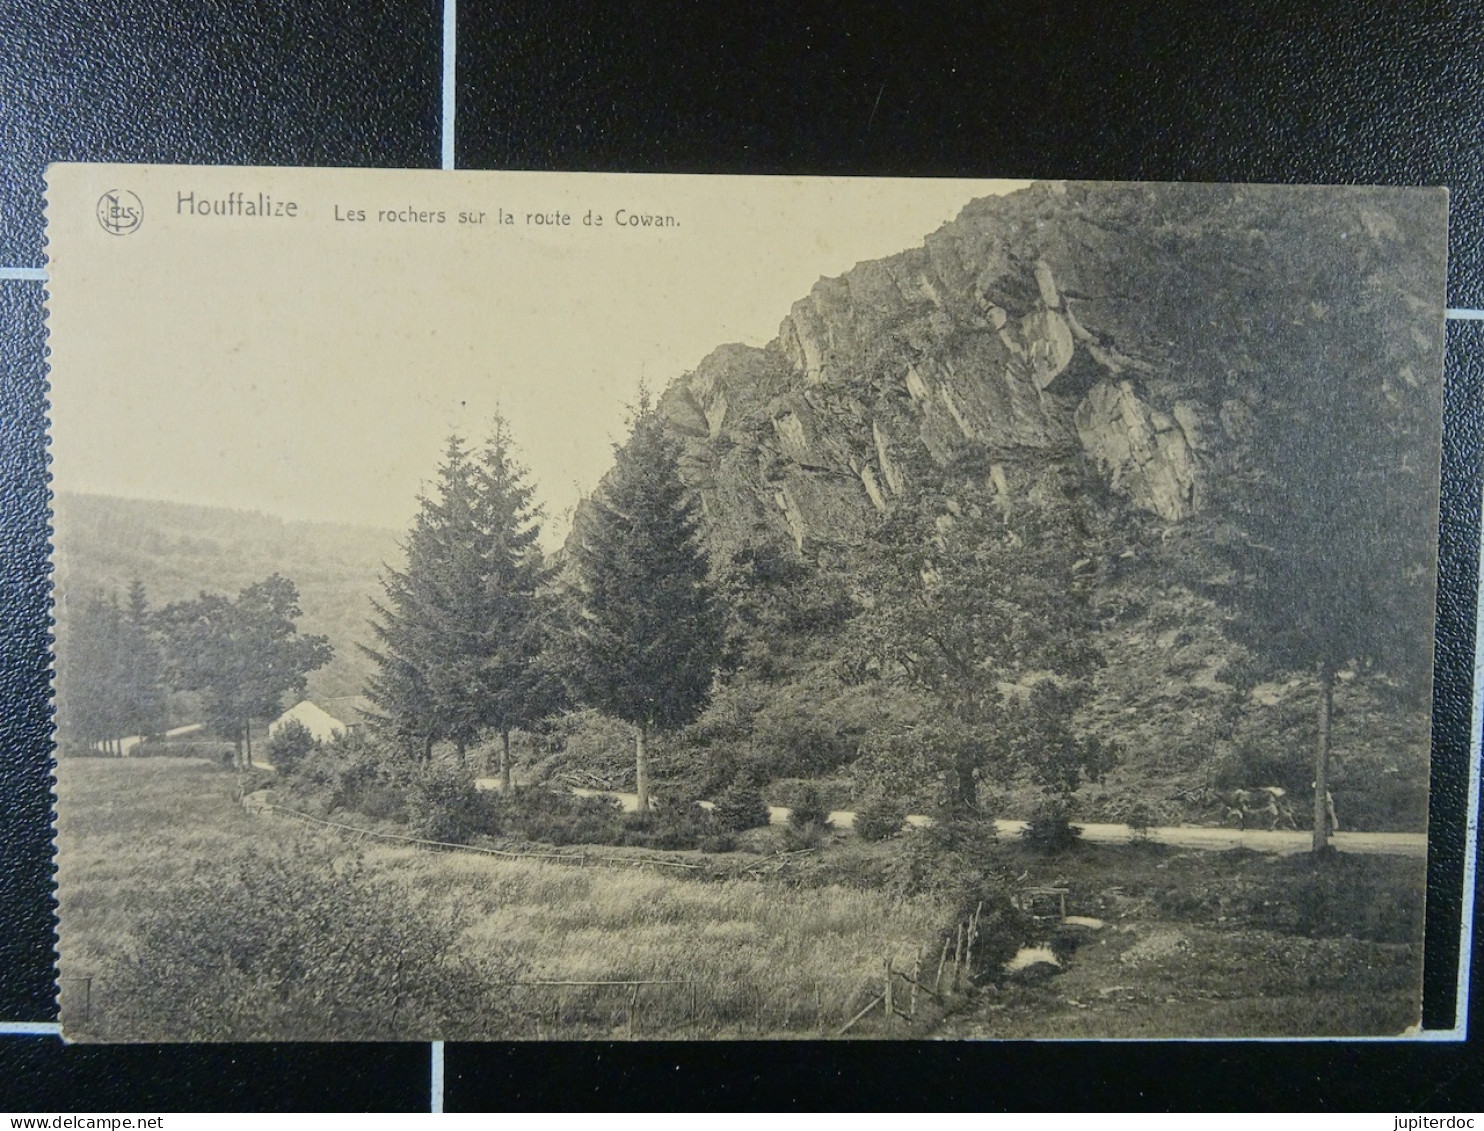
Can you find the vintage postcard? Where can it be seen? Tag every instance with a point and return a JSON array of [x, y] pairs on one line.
[[523, 606]]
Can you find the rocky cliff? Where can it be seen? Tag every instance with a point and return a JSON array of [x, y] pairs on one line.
[[1127, 339], [1133, 327]]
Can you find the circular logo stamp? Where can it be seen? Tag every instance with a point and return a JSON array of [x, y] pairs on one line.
[[120, 212]]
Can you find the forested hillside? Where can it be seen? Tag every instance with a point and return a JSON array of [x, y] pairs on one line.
[[104, 544]]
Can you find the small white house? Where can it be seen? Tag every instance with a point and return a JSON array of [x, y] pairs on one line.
[[320, 723]]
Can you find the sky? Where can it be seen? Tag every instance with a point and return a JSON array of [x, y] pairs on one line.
[[311, 363]]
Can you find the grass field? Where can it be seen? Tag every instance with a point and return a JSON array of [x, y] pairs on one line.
[[135, 836], [196, 920]]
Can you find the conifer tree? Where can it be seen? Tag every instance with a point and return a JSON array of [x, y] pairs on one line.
[[143, 685], [649, 629], [110, 673], [461, 629], [91, 663]]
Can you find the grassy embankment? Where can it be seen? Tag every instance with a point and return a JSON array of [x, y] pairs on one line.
[[142, 842]]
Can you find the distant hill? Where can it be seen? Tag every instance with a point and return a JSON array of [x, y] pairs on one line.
[[178, 551]]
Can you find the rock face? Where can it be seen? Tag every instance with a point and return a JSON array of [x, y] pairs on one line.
[[1062, 323]]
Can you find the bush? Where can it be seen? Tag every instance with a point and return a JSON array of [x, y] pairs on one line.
[[443, 804], [313, 949], [358, 773], [673, 825], [289, 745], [740, 807], [1050, 828], [949, 859], [1001, 929], [1140, 818], [809, 835], [808, 811], [881, 819], [561, 818]]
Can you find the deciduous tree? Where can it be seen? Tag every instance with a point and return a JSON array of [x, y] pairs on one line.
[[242, 655]]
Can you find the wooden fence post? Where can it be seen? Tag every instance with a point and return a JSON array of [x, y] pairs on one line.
[[958, 956], [819, 1007], [633, 1008], [942, 960], [916, 978], [973, 937], [890, 1009]]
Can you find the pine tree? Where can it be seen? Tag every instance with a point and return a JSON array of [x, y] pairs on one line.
[[91, 665], [143, 685], [649, 630], [461, 630], [110, 677]]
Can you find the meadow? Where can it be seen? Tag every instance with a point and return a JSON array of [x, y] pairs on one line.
[[197, 920], [186, 917]]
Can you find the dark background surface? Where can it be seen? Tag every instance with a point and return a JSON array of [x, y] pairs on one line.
[[1375, 91]]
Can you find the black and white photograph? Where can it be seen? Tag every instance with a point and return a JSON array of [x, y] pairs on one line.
[[507, 607]]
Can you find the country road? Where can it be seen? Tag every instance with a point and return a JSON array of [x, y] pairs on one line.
[[1281, 841]]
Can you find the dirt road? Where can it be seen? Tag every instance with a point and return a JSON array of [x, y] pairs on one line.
[[1183, 836]]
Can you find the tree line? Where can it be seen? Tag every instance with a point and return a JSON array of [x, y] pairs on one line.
[[118, 664]]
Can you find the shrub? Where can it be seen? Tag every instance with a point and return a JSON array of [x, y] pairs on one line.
[[562, 818], [717, 842], [673, 825], [1001, 927], [949, 859], [1050, 828], [313, 949], [444, 804], [250, 781], [1140, 819], [808, 835], [289, 745], [740, 807], [588, 748], [355, 772], [881, 819], [808, 810]]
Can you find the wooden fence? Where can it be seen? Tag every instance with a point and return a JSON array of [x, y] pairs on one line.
[[910, 998]]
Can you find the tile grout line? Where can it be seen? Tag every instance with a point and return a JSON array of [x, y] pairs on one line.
[[1471, 824], [450, 59]]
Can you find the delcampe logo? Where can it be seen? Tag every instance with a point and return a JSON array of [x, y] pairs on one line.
[[120, 212]]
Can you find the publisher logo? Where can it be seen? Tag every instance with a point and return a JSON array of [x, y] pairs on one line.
[[120, 212]]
